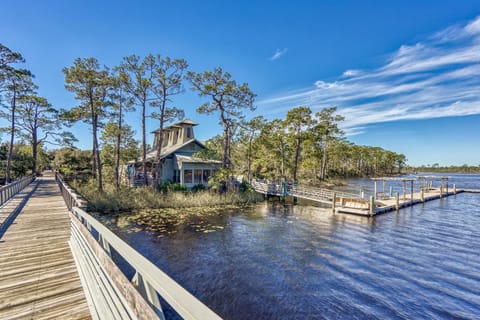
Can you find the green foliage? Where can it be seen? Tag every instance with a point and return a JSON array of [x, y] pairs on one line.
[[434, 168], [91, 84], [167, 186], [213, 150], [21, 160], [128, 145], [228, 99], [72, 160], [198, 187], [309, 148]]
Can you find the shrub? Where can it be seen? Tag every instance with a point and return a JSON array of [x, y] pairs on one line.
[[198, 187]]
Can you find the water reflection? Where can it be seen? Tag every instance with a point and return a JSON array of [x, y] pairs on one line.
[[299, 262]]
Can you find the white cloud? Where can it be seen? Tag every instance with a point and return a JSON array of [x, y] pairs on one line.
[[279, 53], [351, 73], [438, 77]]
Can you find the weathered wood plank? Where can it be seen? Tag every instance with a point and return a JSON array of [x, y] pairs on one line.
[[38, 276]]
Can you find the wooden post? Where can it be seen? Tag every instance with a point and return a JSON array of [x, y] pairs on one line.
[[422, 195], [404, 189], [334, 200], [372, 205], [397, 201], [391, 192], [454, 189], [384, 186], [411, 190], [447, 186], [441, 189]]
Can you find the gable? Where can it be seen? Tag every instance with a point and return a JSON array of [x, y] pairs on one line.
[[190, 148]]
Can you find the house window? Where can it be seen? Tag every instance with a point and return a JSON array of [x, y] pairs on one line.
[[187, 176], [206, 175], [189, 132], [176, 137], [198, 176]]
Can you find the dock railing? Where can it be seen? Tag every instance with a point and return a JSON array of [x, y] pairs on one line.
[[11, 189], [111, 293]]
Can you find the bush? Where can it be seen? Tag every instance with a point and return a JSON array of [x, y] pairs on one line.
[[198, 187]]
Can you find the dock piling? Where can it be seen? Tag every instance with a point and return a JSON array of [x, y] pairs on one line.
[[372, 205], [397, 201], [334, 200], [411, 190]]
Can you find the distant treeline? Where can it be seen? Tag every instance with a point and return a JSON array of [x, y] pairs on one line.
[[448, 169]]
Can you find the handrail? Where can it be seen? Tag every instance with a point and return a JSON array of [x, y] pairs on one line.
[[150, 279], [11, 189], [298, 190]]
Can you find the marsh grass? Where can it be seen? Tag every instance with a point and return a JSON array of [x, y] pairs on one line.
[[128, 199]]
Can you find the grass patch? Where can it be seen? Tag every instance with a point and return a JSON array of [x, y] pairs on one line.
[[129, 199]]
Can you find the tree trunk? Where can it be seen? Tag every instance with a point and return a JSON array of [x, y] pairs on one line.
[[324, 162], [97, 154], [12, 136], [160, 142], [94, 159], [34, 153], [295, 163], [94, 138], [117, 147], [144, 143], [226, 140], [249, 158]]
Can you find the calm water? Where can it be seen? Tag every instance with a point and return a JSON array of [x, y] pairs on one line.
[[303, 262]]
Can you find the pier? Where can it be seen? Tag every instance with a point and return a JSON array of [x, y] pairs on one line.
[[383, 199], [38, 275]]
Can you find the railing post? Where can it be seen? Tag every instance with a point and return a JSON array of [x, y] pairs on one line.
[[104, 243], [149, 293]]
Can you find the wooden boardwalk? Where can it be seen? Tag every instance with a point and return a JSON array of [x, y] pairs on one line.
[[342, 202], [38, 276]]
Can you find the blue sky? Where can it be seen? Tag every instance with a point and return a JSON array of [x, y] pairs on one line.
[[406, 74]]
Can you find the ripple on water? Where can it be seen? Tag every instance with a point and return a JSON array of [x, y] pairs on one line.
[[303, 262]]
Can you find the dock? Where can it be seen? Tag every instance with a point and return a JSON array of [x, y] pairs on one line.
[[392, 204], [38, 275], [380, 202]]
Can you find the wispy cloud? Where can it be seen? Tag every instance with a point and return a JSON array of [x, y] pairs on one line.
[[279, 53], [437, 77]]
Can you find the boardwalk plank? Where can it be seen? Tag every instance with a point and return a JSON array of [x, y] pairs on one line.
[[38, 276]]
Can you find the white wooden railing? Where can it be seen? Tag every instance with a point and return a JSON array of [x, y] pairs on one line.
[[311, 193], [111, 294], [9, 190]]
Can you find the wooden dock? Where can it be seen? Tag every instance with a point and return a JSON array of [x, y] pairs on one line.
[[390, 204], [38, 276], [382, 202]]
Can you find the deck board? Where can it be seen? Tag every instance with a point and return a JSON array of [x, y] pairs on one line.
[[38, 276]]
